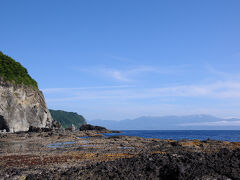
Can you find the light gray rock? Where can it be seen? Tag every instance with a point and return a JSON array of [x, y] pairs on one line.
[[73, 127], [21, 107]]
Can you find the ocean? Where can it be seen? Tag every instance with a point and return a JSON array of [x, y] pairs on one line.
[[223, 135]]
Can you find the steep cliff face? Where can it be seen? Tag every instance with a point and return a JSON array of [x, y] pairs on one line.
[[22, 107], [22, 104]]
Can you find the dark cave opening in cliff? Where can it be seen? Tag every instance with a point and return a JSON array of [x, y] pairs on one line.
[[3, 124]]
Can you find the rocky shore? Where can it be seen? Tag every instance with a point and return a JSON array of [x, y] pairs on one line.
[[91, 155]]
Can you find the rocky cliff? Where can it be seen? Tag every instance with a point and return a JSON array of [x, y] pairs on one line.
[[21, 105]]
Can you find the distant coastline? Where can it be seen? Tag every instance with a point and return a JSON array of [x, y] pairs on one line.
[[188, 122]]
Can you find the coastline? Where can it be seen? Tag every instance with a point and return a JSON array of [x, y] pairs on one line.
[[88, 154]]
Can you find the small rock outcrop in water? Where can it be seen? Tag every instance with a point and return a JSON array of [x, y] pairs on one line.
[[22, 104], [86, 127], [67, 119]]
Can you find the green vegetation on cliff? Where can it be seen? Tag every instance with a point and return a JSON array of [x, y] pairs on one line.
[[13, 71], [66, 119]]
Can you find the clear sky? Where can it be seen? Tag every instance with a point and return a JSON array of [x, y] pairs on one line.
[[117, 59]]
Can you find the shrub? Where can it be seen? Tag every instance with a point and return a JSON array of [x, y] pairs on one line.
[[13, 71]]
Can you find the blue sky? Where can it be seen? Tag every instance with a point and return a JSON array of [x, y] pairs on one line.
[[124, 59]]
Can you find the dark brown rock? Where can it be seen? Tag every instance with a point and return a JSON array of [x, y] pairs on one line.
[[87, 127]]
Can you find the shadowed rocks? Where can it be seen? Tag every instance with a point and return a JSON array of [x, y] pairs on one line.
[[3, 124]]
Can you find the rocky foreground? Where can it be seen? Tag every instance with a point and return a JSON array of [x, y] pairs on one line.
[[89, 155]]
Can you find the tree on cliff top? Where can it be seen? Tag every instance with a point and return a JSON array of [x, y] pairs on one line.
[[13, 71]]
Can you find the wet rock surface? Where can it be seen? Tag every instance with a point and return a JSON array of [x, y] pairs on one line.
[[222, 165], [89, 155]]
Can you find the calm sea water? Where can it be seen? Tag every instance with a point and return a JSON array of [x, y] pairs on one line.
[[225, 135]]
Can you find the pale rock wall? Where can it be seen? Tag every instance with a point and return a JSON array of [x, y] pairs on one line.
[[22, 107]]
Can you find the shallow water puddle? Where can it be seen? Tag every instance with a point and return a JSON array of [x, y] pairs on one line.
[[126, 147], [85, 137], [89, 145], [61, 144]]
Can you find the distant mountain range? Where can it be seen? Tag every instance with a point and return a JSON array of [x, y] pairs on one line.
[[191, 122]]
